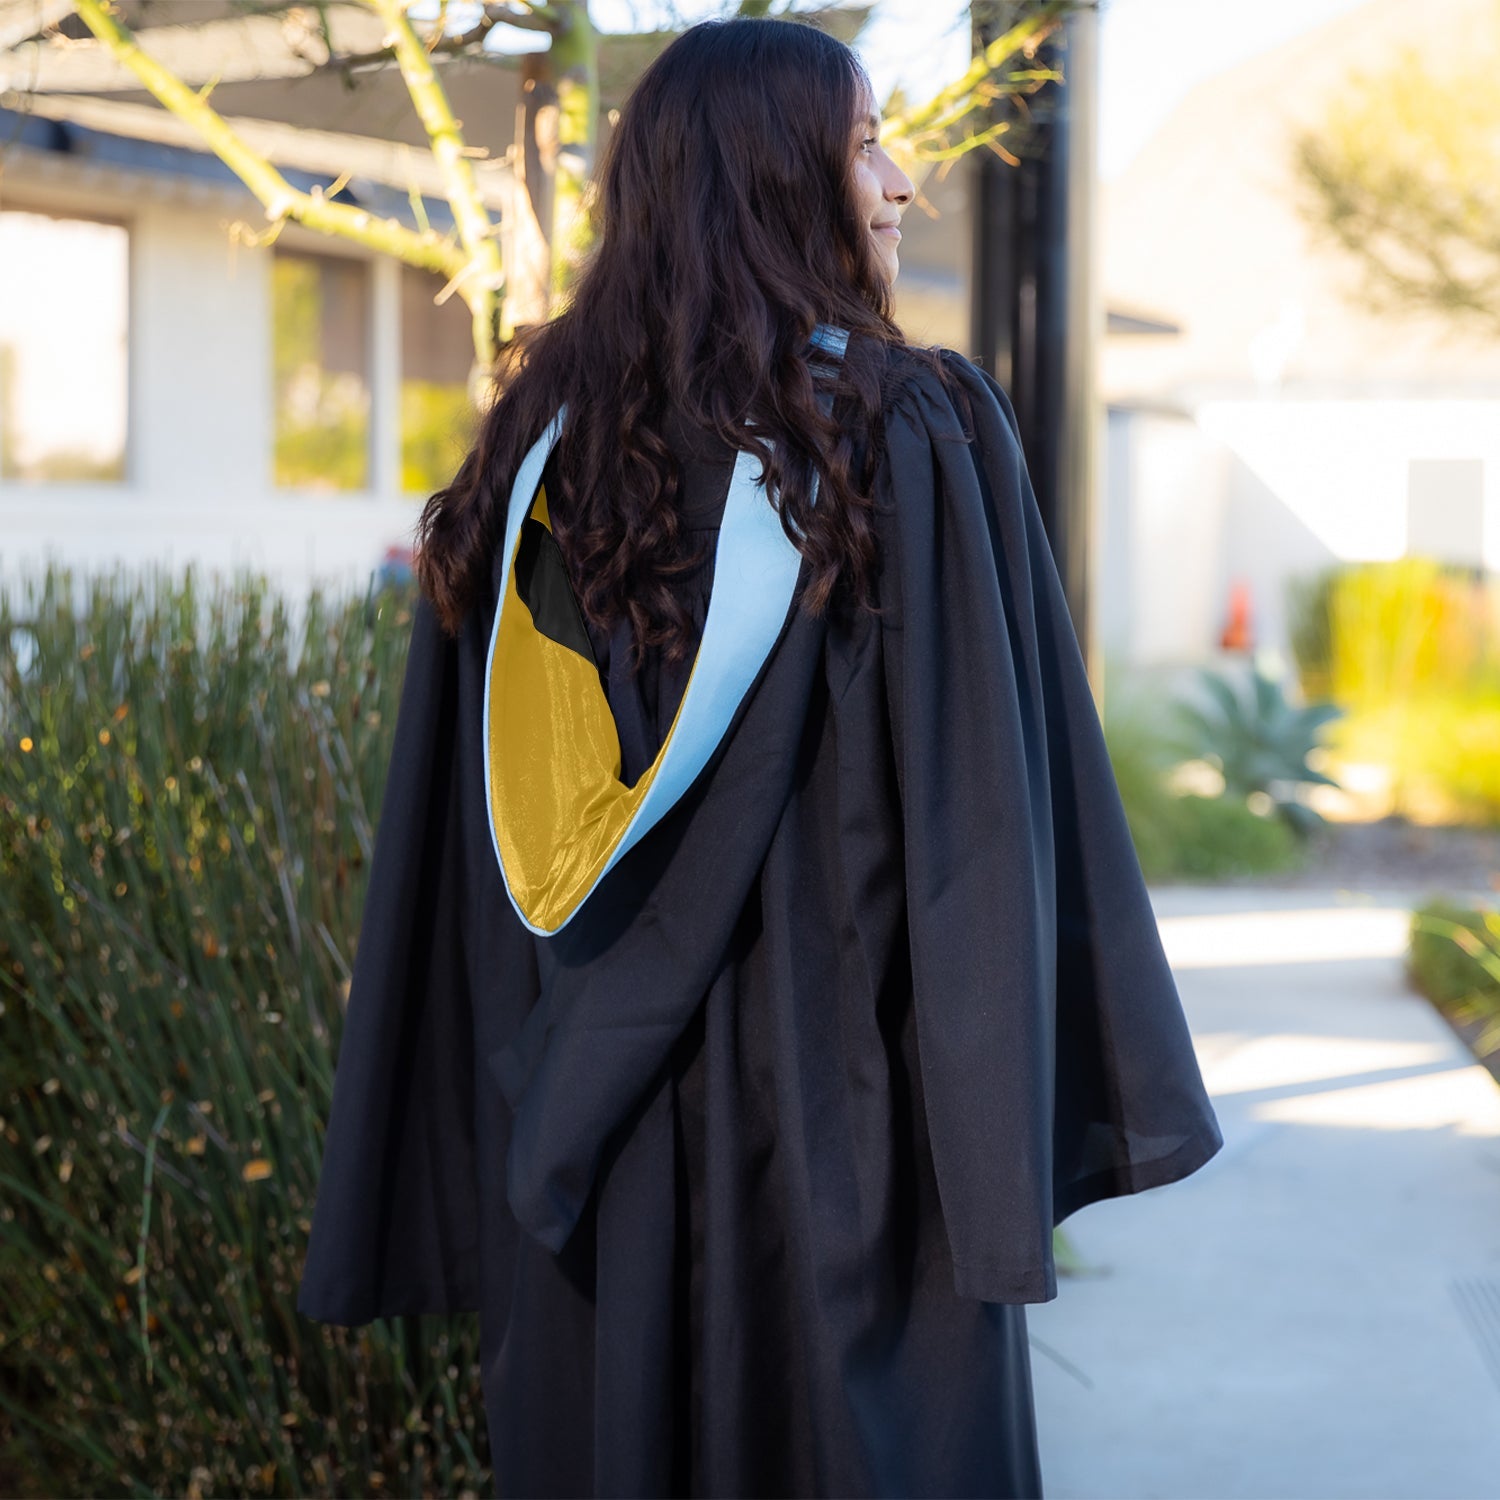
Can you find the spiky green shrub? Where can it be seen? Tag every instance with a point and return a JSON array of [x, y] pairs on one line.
[[1184, 837], [1259, 741], [1411, 650], [189, 781], [1411, 629], [1453, 958], [1367, 633]]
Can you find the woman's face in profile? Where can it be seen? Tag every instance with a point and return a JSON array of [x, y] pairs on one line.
[[881, 189]]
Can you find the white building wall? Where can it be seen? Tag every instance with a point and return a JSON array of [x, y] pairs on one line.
[[1174, 475], [1270, 489], [200, 431]]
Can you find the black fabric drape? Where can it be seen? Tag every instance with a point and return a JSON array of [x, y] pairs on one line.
[[750, 1170]]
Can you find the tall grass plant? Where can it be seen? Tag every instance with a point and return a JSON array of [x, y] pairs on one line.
[[188, 792]]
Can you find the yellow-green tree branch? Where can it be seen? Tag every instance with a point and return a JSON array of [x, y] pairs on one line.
[[982, 82], [430, 251], [1400, 174], [485, 278]]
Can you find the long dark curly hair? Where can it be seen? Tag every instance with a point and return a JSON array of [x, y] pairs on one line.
[[725, 230]]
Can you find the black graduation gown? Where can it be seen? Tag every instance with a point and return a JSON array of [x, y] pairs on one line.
[[750, 1170]]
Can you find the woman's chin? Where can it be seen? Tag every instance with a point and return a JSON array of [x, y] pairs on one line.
[[885, 259]]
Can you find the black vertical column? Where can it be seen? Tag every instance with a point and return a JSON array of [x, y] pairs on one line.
[[1035, 315]]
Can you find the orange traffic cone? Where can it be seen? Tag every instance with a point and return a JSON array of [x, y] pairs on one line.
[[1238, 634]]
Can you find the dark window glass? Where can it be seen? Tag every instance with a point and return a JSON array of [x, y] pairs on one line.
[[437, 348], [321, 364]]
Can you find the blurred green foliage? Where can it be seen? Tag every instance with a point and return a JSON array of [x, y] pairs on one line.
[[1411, 650], [438, 427], [1310, 629], [330, 453], [1259, 742], [1184, 836], [1453, 958], [188, 791], [1398, 170], [322, 439]]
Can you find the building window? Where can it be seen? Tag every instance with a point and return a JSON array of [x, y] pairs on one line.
[[64, 299], [438, 425], [321, 364]]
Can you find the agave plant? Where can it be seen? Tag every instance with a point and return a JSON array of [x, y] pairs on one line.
[[1260, 742]]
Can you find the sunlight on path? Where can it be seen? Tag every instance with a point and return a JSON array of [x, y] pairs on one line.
[[1306, 1315], [1280, 937]]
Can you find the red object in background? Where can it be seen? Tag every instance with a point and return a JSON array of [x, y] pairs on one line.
[[396, 565], [1238, 634]]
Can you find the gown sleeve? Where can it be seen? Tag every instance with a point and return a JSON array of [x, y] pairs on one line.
[[1056, 1059], [396, 1223]]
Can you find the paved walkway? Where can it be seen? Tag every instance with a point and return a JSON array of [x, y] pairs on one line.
[[1316, 1312]]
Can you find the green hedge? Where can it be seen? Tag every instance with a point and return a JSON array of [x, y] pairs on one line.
[[1189, 837], [1454, 959], [188, 790]]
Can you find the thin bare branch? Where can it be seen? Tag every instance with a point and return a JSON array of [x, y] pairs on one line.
[[470, 42]]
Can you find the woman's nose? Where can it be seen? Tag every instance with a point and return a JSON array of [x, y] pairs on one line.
[[899, 187]]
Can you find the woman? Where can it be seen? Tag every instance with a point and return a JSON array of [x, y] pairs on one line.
[[756, 966]]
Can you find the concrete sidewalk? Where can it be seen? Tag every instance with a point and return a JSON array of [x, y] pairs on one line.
[[1316, 1312]]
